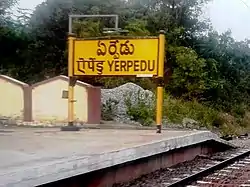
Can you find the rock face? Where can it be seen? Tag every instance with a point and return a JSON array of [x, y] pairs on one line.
[[129, 91]]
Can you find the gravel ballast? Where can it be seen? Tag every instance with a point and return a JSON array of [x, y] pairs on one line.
[[164, 177]]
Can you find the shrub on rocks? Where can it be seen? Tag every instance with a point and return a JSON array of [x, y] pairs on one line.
[[142, 109], [109, 109], [246, 120], [228, 124], [190, 123]]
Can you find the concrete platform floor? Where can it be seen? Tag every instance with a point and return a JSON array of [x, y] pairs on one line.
[[30, 156]]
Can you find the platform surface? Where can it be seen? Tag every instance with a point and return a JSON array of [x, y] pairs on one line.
[[30, 157]]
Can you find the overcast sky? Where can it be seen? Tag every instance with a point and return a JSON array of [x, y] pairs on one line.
[[225, 14]]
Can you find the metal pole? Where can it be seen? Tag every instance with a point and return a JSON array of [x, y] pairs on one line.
[[93, 16], [116, 22], [70, 24]]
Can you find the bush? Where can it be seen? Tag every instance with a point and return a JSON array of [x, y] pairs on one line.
[[176, 110], [245, 121], [108, 109], [142, 110], [230, 125], [239, 110]]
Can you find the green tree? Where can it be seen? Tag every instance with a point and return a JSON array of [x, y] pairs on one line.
[[189, 76]]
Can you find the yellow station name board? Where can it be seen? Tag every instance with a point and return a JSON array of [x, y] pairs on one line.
[[116, 57]]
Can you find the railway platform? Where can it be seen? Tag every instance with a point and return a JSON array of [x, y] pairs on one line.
[[94, 157]]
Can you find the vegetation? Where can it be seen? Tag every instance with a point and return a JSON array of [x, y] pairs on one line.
[[206, 73], [143, 111], [109, 110]]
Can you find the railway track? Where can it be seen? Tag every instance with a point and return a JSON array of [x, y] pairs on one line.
[[234, 171]]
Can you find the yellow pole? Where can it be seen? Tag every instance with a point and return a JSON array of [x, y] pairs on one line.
[[71, 85], [160, 82], [70, 103]]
